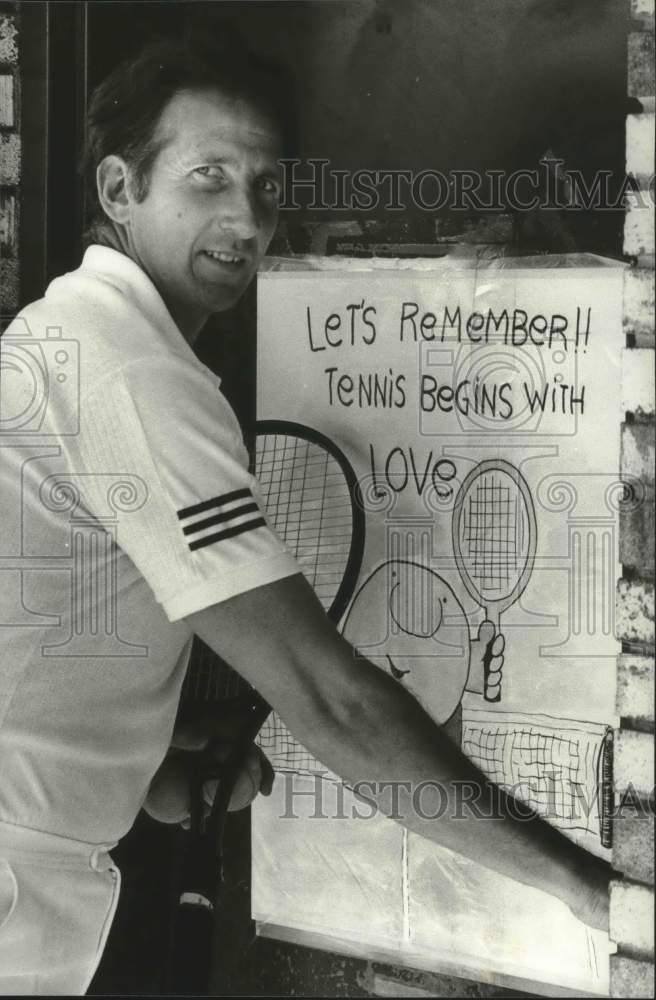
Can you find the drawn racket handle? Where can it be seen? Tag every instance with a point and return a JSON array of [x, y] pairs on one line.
[[491, 691], [494, 534]]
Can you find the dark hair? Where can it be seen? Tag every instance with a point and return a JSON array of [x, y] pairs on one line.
[[124, 110]]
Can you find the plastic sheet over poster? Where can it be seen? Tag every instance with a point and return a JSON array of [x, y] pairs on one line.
[[480, 410]]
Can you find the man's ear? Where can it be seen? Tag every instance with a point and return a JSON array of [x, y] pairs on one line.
[[112, 180]]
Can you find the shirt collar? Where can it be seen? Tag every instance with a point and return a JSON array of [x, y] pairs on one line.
[[133, 282]]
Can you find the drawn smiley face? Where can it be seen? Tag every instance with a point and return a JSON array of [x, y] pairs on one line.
[[406, 619]]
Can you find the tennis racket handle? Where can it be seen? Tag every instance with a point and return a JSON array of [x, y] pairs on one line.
[[491, 691], [199, 869], [190, 962]]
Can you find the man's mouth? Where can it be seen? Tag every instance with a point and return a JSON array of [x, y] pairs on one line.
[[225, 257]]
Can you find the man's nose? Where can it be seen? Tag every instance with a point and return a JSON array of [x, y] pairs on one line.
[[239, 213]]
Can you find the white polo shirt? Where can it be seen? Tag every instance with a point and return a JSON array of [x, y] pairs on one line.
[[125, 505]]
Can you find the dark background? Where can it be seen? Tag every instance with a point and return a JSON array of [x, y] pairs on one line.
[[418, 83], [381, 84], [440, 84]]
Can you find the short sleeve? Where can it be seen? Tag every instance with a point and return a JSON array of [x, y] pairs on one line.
[[161, 437]]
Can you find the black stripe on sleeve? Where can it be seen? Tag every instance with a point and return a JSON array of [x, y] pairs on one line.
[[219, 501], [228, 515], [219, 536]]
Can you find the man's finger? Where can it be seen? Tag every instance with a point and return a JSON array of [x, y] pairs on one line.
[[209, 790], [189, 736], [268, 774], [259, 770], [255, 764]]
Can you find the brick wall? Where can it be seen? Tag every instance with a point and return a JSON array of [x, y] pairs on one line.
[[632, 897], [10, 146]]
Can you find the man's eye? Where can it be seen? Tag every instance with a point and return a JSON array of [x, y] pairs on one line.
[[268, 185], [210, 172]]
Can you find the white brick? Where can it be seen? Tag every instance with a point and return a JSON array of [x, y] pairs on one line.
[[7, 100], [637, 451], [640, 64], [642, 8], [10, 150], [8, 284], [633, 764], [638, 309], [634, 610], [638, 381], [8, 224], [640, 138], [633, 845], [637, 537], [635, 688], [639, 228], [8, 46], [629, 977], [632, 917]]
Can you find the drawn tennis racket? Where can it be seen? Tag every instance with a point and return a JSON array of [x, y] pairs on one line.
[[494, 535], [312, 500]]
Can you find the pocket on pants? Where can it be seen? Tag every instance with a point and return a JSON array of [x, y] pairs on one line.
[[56, 925], [8, 893]]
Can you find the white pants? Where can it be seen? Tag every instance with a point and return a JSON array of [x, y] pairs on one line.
[[57, 902]]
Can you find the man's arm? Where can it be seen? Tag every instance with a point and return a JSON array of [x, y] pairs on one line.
[[364, 726]]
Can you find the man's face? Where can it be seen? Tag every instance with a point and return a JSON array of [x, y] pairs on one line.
[[212, 204]]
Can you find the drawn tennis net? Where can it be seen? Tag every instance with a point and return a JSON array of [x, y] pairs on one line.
[[561, 768]]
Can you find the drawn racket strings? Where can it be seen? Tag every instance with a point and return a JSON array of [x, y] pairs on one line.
[[312, 500], [494, 533]]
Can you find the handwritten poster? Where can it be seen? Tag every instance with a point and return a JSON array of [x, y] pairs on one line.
[[479, 410]]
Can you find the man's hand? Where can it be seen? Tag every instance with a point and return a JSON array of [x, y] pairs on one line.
[[486, 641], [256, 776], [589, 898], [168, 798]]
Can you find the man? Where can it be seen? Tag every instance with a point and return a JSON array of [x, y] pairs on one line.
[[183, 148]]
